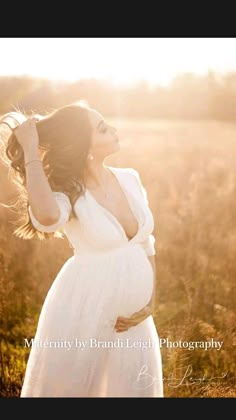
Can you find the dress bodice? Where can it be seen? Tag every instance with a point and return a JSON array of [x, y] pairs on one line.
[[96, 229]]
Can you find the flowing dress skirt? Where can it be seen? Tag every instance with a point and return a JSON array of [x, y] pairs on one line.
[[76, 352]]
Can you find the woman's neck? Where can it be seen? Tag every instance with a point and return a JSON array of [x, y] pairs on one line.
[[95, 174]]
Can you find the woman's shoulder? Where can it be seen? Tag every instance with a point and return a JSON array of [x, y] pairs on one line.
[[131, 177], [125, 171]]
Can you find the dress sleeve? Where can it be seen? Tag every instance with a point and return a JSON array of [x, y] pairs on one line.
[[65, 210], [149, 244]]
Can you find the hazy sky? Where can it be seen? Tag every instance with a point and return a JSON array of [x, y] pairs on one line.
[[121, 60]]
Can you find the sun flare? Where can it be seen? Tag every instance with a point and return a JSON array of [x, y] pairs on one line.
[[122, 61]]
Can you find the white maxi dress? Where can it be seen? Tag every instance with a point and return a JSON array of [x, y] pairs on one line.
[[76, 352]]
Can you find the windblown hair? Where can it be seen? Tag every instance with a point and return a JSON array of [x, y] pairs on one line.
[[64, 141]]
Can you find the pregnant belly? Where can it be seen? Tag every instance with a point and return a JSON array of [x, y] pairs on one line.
[[136, 282], [116, 283]]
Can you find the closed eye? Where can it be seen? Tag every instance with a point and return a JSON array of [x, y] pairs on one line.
[[104, 127], [103, 130]]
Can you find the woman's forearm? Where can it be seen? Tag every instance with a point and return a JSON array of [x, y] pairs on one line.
[[41, 200]]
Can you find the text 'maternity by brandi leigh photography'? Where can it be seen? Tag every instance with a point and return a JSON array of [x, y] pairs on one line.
[[122, 343]]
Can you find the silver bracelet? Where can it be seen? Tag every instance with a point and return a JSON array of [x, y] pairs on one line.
[[33, 160]]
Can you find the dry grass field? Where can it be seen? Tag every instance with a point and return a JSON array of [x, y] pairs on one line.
[[188, 169]]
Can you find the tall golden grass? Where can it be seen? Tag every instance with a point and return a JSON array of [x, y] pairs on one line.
[[188, 169]]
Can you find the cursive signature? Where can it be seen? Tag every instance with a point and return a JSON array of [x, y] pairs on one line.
[[145, 379]]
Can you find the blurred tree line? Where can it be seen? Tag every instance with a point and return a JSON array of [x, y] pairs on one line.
[[188, 96]]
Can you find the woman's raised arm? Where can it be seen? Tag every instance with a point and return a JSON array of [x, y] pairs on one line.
[[41, 198]]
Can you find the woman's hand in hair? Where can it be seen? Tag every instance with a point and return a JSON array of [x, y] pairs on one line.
[[27, 135]]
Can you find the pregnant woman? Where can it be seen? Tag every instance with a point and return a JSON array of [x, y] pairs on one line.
[[96, 335]]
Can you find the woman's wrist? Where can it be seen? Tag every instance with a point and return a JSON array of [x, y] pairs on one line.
[[31, 154], [149, 308]]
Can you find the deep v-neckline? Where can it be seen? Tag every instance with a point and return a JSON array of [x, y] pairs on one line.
[[111, 214]]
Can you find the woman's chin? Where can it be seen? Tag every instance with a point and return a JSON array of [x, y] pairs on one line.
[[117, 145], [116, 148]]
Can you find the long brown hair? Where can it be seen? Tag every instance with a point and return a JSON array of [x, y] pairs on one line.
[[64, 141]]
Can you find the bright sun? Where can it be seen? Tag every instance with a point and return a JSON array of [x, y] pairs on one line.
[[120, 60]]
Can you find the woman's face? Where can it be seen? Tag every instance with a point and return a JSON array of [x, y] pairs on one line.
[[104, 138]]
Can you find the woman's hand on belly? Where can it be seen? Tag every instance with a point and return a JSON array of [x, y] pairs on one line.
[[123, 324]]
